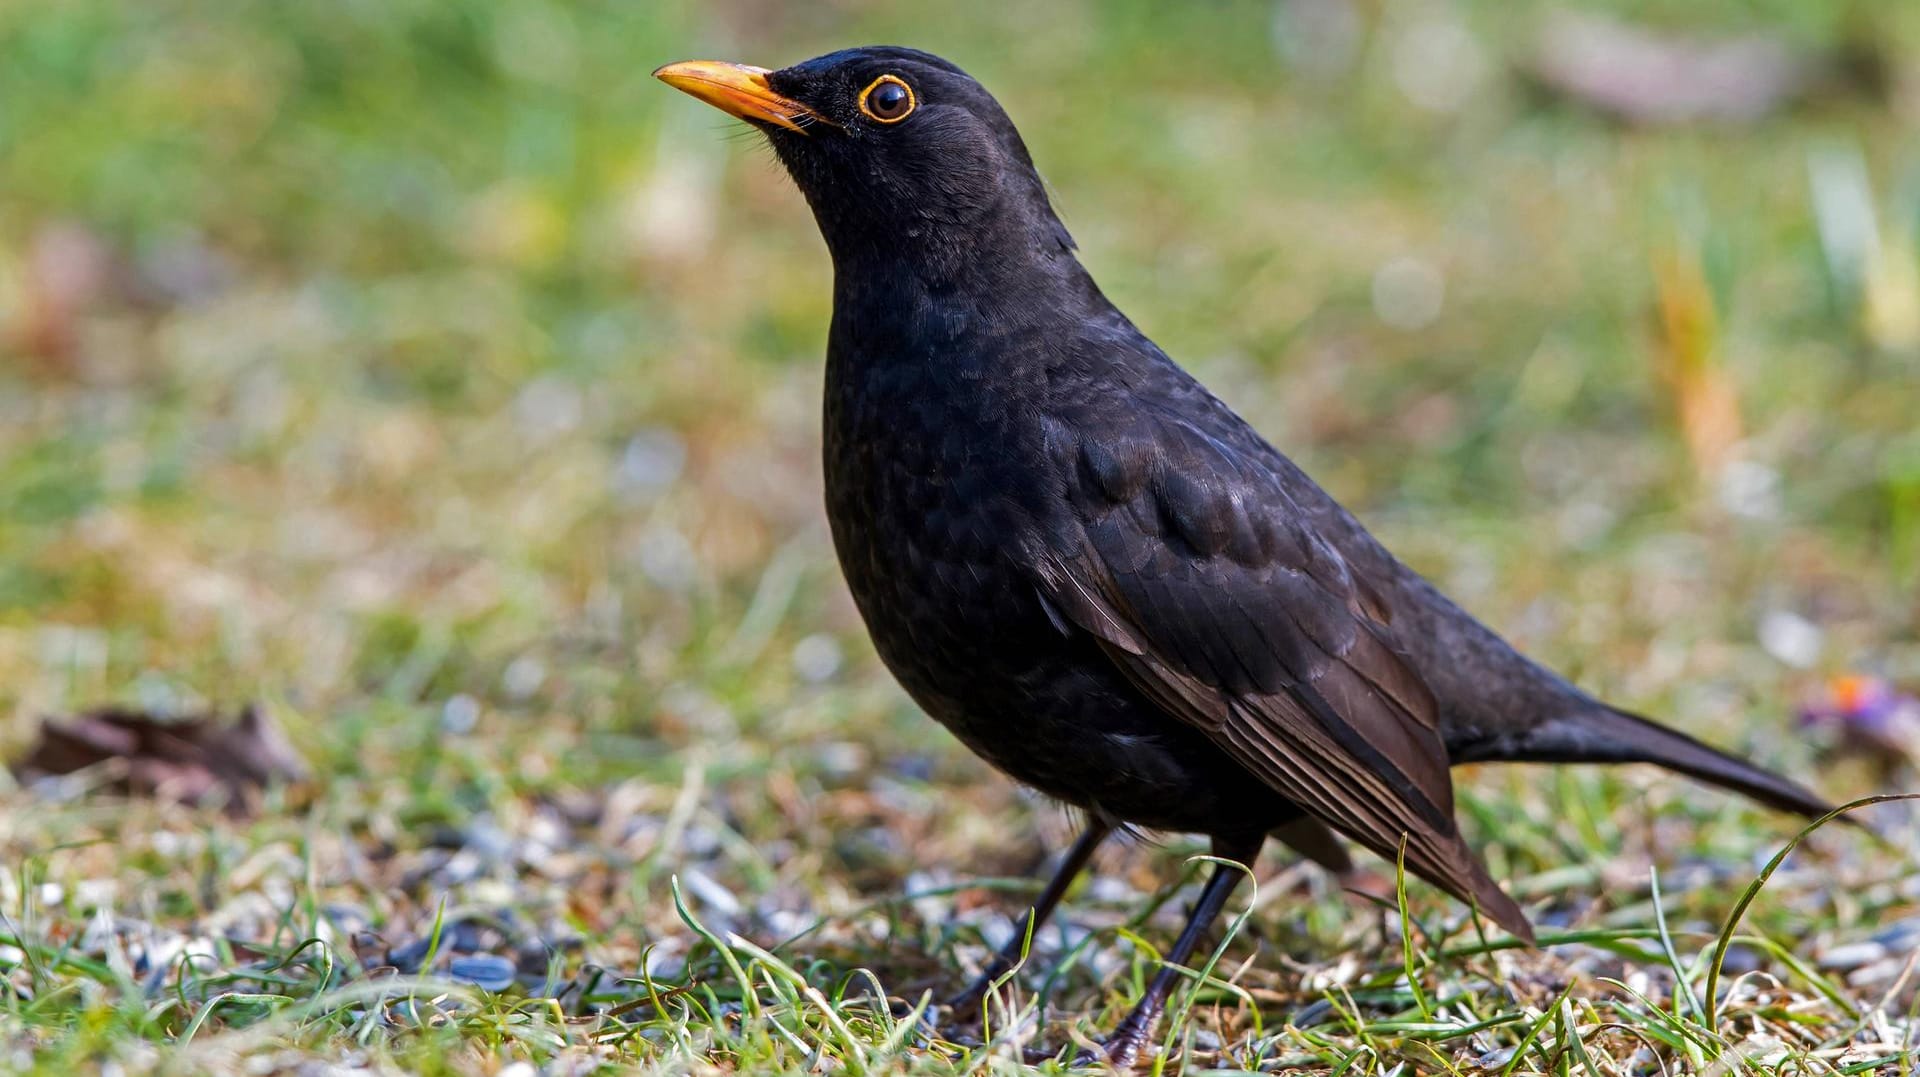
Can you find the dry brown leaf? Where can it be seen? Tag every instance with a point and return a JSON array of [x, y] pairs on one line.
[[194, 760]]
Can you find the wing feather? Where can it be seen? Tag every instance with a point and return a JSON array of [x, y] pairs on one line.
[[1208, 589]]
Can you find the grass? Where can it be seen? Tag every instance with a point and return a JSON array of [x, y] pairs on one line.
[[428, 373]]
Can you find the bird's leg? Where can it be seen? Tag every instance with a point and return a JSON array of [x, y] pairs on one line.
[[1124, 1045], [1070, 868]]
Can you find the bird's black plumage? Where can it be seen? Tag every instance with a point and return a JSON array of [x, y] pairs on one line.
[[1089, 568]]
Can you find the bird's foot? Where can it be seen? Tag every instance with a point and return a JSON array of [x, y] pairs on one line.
[[966, 1004], [1123, 1048]]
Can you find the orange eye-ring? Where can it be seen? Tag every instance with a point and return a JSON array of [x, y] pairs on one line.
[[887, 99]]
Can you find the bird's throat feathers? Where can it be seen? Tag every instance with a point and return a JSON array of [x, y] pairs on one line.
[[975, 228], [892, 308]]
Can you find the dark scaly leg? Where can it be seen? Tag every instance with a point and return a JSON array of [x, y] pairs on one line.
[[1070, 868], [1124, 1045]]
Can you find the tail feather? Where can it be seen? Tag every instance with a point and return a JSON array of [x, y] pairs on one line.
[[1491, 901], [1602, 734]]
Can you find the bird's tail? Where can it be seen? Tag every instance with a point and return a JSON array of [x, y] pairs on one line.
[[1602, 734]]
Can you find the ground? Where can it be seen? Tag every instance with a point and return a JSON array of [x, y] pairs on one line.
[[429, 376]]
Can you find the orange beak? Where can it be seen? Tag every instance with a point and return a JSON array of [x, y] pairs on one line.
[[738, 90]]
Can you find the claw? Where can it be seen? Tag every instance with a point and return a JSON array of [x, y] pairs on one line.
[[1123, 1048], [1116, 1053]]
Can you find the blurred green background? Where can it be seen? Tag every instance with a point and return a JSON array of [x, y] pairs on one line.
[[353, 351], [428, 372]]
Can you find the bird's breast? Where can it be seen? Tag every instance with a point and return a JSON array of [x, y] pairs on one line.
[[930, 485], [937, 490]]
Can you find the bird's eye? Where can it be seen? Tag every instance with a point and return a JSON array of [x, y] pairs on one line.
[[887, 99]]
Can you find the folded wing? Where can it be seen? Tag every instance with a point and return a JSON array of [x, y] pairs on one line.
[[1209, 589]]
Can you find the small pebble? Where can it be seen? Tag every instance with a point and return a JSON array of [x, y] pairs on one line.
[[1742, 960], [536, 960], [817, 658], [465, 936], [913, 768], [650, 463], [460, 714], [710, 893], [841, 759], [485, 838], [1901, 936], [1312, 1014], [351, 919], [664, 962], [1791, 638], [1879, 972], [489, 972], [523, 677], [1852, 955], [409, 957], [548, 407]]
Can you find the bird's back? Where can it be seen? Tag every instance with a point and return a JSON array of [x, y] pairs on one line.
[[1493, 703], [1482, 684]]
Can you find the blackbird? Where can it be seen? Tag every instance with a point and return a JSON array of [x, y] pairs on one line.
[[1093, 572]]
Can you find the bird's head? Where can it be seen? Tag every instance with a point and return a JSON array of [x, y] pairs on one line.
[[895, 149]]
